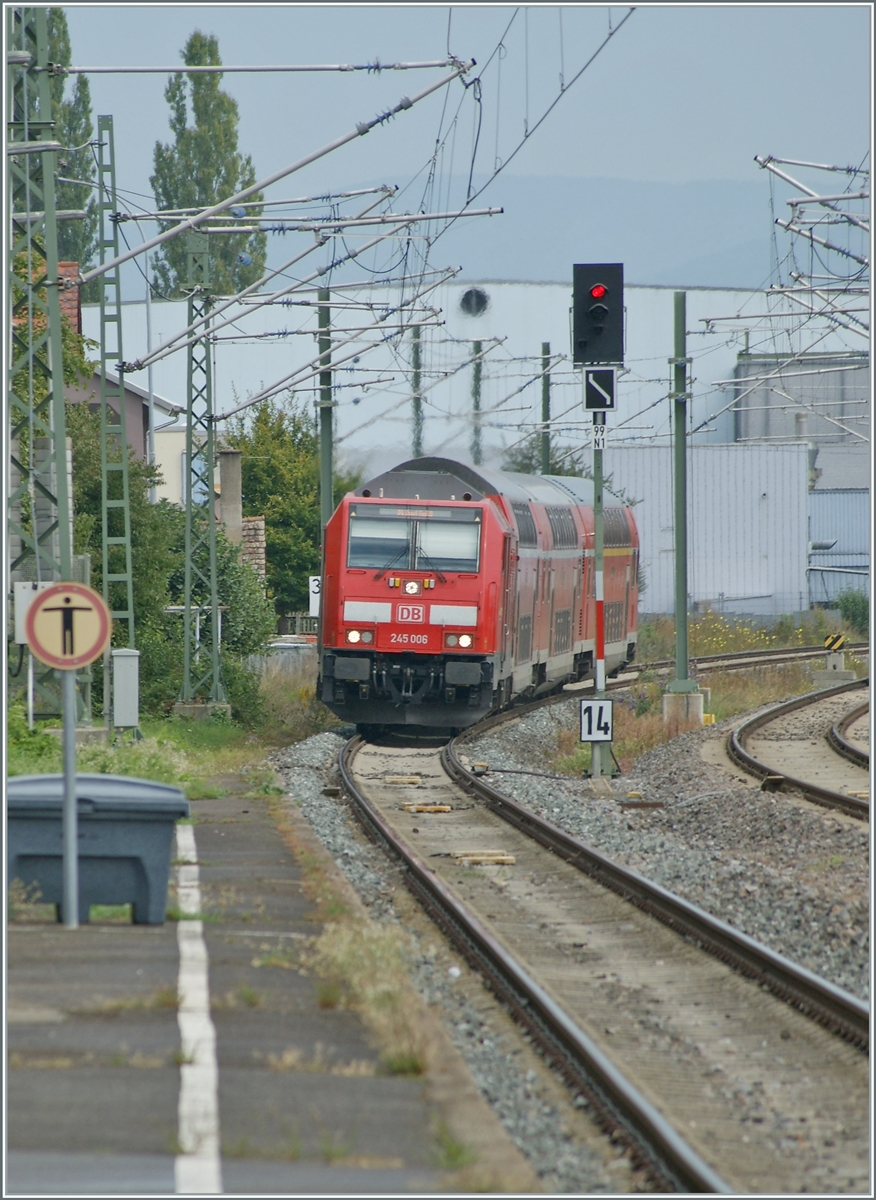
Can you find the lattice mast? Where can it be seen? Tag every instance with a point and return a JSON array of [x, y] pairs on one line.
[[201, 570], [40, 503], [118, 587], [39, 488]]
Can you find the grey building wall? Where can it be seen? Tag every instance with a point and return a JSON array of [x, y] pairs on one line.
[[843, 515], [748, 524], [820, 398]]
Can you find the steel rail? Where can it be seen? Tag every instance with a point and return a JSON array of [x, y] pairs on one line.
[[621, 1109], [816, 997], [785, 654], [838, 741], [780, 780]]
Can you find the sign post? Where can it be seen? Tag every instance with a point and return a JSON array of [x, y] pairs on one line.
[[68, 626], [600, 391]]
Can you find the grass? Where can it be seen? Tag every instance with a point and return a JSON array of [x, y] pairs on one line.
[[185, 753], [163, 997], [450, 1153], [363, 967], [714, 633], [291, 709]]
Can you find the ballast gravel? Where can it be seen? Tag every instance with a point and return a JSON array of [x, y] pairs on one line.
[[791, 875], [534, 1126]]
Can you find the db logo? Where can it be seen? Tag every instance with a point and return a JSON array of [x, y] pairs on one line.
[[412, 614]]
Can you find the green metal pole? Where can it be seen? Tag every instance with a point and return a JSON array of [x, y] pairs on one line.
[[476, 405], [326, 505], [417, 399], [545, 408], [682, 681]]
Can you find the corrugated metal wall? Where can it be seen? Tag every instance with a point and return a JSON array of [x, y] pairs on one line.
[[748, 527], [845, 516]]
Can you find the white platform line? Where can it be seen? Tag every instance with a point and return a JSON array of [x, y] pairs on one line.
[[197, 1168]]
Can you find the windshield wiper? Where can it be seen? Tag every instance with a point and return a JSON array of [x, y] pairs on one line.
[[391, 562], [437, 570]]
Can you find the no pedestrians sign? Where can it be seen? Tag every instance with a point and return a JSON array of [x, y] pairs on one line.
[[68, 626]]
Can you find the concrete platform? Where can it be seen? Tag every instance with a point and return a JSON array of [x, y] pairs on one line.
[[95, 1056]]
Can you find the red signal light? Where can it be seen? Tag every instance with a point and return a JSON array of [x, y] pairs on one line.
[[598, 291]]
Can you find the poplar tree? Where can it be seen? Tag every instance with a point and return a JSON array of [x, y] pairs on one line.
[[74, 129], [201, 167]]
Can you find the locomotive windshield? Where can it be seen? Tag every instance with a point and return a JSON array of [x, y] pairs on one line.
[[415, 539]]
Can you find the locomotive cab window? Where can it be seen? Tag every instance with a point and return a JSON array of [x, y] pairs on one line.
[[415, 539], [380, 543], [447, 546]]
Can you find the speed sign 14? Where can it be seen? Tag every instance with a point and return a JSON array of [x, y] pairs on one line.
[[596, 720]]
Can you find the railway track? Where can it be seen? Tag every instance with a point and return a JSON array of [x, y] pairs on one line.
[[757, 740], [569, 943], [849, 747]]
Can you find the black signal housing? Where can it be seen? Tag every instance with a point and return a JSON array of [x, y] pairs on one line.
[[597, 313]]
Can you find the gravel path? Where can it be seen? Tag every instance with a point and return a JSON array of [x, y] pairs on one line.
[[783, 871], [536, 1127]]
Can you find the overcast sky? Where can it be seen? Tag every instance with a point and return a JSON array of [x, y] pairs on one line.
[[677, 95], [690, 92]]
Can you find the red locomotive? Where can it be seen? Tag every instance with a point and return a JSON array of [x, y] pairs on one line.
[[449, 590]]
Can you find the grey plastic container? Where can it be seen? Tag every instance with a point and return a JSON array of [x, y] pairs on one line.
[[126, 829]]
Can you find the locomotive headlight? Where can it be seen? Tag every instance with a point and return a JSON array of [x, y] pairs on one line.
[[367, 636], [451, 639], [465, 640], [353, 635]]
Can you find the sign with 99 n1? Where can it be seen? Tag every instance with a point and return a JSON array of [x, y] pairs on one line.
[[596, 725]]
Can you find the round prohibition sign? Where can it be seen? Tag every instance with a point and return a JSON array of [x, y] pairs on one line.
[[68, 626]]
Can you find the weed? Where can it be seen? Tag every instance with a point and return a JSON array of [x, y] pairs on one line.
[[363, 967], [291, 1152], [242, 1148], [275, 958], [119, 914], [22, 900], [403, 1062], [291, 710], [250, 997], [198, 790], [450, 1152], [174, 913], [163, 997], [328, 993], [182, 1058], [332, 1147]]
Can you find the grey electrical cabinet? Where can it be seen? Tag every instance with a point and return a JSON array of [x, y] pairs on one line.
[[126, 832], [126, 688]]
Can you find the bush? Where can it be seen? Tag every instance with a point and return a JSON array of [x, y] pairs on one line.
[[242, 686], [855, 609], [29, 752]]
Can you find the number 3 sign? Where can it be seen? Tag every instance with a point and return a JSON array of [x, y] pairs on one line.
[[596, 720]]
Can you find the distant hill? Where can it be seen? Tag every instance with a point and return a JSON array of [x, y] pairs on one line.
[[702, 234]]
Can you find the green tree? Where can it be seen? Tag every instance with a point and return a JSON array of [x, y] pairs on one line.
[[157, 559], [855, 609], [77, 240], [201, 167], [279, 464], [525, 458]]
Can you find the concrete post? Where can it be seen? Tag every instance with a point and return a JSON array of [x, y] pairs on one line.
[[231, 503]]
